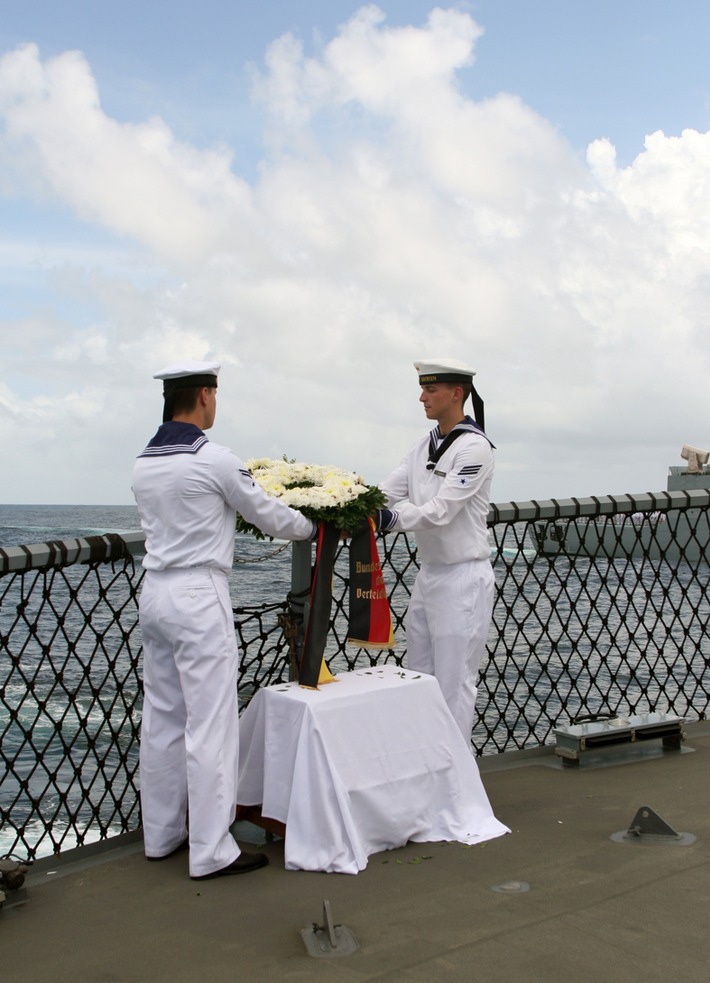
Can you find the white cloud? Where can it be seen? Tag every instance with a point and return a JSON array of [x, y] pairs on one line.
[[393, 216], [369, 65], [135, 179]]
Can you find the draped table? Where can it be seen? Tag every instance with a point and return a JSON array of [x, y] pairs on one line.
[[363, 764]]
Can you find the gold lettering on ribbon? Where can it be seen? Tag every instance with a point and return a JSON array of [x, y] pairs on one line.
[[367, 567]]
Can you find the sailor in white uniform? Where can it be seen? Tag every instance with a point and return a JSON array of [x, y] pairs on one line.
[[187, 490], [441, 492]]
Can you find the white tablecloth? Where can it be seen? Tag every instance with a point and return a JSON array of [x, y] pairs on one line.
[[361, 765]]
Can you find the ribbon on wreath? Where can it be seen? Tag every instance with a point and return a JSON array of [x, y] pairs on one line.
[[369, 622], [312, 669]]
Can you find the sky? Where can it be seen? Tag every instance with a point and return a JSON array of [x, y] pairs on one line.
[[317, 195]]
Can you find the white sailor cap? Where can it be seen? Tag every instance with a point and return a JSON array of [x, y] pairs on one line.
[[181, 374], [433, 370], [185, 375]]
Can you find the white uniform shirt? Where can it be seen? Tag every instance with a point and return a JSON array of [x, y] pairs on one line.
[[446, 507], [188, 491]]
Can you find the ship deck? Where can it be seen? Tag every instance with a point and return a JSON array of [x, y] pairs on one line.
[[558, 899]]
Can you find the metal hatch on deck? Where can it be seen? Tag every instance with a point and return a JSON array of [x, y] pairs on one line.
[[595, 734]]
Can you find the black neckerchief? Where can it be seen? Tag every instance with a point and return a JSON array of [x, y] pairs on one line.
[[467, 425]]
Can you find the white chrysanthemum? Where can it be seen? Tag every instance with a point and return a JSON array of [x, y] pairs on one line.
[[255, 463], [306, 484], [271, 485]]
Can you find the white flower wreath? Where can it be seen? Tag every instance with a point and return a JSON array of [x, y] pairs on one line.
[[325, 494]]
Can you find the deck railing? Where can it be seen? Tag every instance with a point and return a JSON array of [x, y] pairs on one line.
[[602, 608]]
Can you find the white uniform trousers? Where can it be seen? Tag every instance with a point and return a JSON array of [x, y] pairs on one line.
[[189, 751], [447, 626]]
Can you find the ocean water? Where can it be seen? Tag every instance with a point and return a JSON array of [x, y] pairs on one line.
[[29, 524]]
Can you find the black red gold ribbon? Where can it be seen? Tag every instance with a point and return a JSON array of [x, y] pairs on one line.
[[370, 621], [318, 624]]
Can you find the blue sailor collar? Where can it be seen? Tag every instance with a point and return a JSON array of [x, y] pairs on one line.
[[175, 438], [467, 425]]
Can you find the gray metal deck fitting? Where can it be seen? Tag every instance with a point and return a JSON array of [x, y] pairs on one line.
[[648, 827], [329, 939]]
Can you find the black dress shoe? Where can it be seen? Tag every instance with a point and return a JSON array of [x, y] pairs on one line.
[[178, 849], [242, 865]]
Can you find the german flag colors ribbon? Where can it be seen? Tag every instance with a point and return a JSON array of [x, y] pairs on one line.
[[370, 621]]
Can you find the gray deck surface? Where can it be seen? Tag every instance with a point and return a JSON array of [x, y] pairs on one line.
[[596, 909]]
